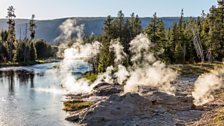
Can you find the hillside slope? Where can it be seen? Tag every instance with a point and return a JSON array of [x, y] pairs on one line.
[[49, 29]]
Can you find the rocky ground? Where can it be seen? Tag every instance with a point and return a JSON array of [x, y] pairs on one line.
[[147, 108]]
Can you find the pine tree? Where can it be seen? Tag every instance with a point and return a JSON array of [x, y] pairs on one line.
[[108, 31], [134, 25], [118, 25], [215, 36], [182, 36], [174, 39], [33, 54], [11, 32], [162, 42], [137, 26], [220, 21], [20, 55], [106, 58], [32, 27], [191, 30], [152, 29], [157, 34], [1, 51]]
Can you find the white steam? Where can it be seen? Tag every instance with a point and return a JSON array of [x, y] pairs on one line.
[[118, 49], [141, 48], [75, 55], [147, 71], [106, 77], [122, 74], [68, 28], [205, 85]]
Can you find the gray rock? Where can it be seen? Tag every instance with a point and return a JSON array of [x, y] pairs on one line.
[[105, 89], [116, 108], [72, 118]]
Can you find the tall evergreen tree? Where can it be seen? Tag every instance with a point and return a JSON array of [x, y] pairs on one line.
[[32, 27], [134, 25], [108, 29], [33, 54], [11, 32], [157, 34], [152, 29], [182, 36]]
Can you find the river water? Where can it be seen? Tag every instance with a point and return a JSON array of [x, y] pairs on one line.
[[31, 96]]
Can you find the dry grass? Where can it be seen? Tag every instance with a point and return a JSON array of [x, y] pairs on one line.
[[215, 115], [211, 118], [76, 105], [197, 69]]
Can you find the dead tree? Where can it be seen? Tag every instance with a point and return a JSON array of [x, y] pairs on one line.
[[198, 46]]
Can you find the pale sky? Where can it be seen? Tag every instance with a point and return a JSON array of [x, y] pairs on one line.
[[50, 9]]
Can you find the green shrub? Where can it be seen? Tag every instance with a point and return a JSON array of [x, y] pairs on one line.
[[76, 105], [90, 76]]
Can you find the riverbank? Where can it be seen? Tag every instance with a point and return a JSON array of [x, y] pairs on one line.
[[110, 106], [41, 61], [122, 109]]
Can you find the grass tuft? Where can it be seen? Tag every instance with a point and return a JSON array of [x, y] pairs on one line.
[[75, 105], [90, 76]]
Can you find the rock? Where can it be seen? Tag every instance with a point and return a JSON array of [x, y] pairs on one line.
[[72, 118], [156, 109], [151, 108], [105, 89], [170, 101], [116, 108]]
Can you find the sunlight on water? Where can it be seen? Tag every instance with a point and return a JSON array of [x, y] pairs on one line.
[[2, 99], [31, 96], [50, 90]]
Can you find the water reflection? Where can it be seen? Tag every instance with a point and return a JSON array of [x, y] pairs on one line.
[[21, 77], [32, 81], [22, 104]]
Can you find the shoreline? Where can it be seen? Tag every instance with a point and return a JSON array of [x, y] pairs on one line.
[[41, 61]]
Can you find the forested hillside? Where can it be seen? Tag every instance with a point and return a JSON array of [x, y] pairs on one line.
[[49, 29]]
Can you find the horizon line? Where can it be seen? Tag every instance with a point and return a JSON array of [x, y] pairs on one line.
[[98, 17]]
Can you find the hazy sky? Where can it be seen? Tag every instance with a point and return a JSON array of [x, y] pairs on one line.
[[49, 9]]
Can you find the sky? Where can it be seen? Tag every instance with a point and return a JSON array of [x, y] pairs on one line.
[[51, 9]]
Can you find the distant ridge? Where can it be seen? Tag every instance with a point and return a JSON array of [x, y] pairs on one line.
[[48, 29]]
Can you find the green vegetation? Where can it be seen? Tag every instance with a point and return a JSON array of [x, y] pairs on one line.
[[44, 50], [197, 68], [90, 76], [5, 64], [41, 61], [23, 51], [190, 40], [76, 105]]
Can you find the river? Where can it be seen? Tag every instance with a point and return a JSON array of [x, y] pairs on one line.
[[31, 96]]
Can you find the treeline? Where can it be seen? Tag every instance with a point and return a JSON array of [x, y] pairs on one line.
[[189, 40], [22, 50]]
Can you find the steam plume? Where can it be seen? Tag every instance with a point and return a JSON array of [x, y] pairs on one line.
[[68, 28], [118, 49], [75, 55], [147, 71], [205, 85]]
